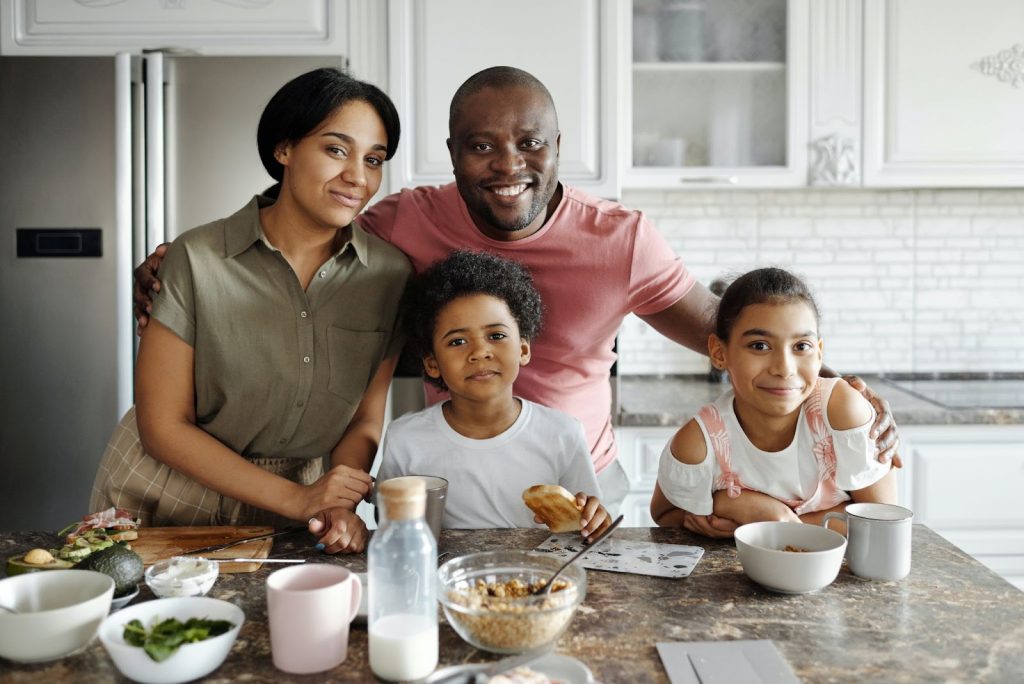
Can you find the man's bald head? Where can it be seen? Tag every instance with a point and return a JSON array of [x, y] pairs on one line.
[[499, 78]]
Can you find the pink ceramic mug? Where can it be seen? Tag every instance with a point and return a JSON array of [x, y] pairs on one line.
[[309, 608]]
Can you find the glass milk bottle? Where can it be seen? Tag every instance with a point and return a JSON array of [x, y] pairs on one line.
[[402, 579]]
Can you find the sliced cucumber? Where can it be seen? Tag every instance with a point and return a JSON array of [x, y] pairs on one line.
[[73, 554], [16, 565]]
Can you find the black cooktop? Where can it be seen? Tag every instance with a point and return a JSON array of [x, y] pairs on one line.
[[971, 393]]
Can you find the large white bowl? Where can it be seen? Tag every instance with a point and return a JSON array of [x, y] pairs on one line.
[[59, 612], [191, 661], [760, 547]]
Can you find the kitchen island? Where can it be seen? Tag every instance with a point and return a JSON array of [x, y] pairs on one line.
[[951, 619]]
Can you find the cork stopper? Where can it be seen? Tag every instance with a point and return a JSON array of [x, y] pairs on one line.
[[404, 498]]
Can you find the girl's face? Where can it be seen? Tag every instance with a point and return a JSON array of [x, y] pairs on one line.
[[477, 348], [334, 171], [773, 356]]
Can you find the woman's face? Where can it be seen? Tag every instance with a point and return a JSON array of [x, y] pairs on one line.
[[334, 171]]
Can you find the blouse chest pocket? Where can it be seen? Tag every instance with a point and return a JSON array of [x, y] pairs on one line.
[[354, 356]]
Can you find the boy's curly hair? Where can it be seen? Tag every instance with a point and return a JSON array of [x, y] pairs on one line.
[[465, 273]]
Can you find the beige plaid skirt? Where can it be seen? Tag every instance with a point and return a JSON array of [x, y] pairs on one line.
[[129, 478]]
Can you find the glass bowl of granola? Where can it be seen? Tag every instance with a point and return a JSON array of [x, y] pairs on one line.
[[486, 599]]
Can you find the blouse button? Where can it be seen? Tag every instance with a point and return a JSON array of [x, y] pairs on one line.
[[303, 314], [323, 274], [305, 359]]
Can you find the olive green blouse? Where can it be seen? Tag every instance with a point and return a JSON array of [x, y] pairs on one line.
[[279, 371]]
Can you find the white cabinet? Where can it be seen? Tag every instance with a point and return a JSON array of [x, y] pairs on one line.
[[944, 93], [105, 27], [570, 45], [967, 483], [717, 93], [639, 451], [869, 93]]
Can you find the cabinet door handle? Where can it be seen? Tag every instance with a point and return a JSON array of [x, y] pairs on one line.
[[731, 180]]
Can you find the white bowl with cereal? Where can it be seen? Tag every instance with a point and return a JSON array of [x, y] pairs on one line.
[[790, 557], [486, 599]]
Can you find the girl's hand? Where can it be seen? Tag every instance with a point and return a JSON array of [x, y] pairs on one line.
[[339, 487], [711, 526], [887, 442], [751, 506], [339, 530], [594, 517]]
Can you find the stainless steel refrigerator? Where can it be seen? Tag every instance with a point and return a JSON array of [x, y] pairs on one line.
[[102, 158]]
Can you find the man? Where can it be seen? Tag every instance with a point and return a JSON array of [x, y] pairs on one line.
[[593, 261]]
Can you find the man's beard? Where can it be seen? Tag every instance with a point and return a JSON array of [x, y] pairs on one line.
[[521, 221]]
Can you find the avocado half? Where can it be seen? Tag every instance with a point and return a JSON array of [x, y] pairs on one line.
[[16, 565]]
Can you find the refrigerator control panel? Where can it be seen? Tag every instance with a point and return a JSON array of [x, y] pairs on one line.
[[60, 242]]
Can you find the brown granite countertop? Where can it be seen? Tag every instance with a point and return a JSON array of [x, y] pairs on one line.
[[952, 619], [668, 401]]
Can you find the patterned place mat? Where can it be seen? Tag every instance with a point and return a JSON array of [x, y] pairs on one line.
[[625, 555]]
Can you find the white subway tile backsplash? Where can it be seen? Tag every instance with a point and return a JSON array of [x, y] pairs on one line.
[[908, 280]]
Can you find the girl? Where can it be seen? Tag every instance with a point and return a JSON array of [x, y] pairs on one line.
[[273, 337], [783, 443]]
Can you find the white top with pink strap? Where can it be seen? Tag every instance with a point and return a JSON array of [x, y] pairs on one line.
[[813, 473]]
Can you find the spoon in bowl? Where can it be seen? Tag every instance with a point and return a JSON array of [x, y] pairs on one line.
[[546, 589]]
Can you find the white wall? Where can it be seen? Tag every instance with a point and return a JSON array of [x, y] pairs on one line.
[[909, 280]]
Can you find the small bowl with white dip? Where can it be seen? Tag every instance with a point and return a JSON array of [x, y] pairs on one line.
[[182, 576]]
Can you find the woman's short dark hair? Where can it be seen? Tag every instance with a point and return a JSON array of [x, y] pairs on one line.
[[464, 273], [760, 286], [304, 102]]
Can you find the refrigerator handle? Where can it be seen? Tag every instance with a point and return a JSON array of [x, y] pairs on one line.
[[154, 150], [123, 231]]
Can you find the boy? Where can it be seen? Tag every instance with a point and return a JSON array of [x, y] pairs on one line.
[[471, 317]]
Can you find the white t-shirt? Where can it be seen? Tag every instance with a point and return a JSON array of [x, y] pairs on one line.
[[790, 474], [486, 477]]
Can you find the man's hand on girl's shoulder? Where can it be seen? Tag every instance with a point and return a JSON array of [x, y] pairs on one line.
[[887, 441]]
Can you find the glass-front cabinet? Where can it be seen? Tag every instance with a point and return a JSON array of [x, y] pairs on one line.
[[718, 93]]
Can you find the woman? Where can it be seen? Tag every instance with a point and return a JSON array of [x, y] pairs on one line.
[[273, 338]]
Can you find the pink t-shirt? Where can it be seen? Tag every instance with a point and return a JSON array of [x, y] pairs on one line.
[[593, 262]]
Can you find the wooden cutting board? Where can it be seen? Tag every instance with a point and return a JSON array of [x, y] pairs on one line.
[[157, 543]]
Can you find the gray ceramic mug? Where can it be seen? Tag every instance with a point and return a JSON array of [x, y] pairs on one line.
[[437, 494], [878, 537]]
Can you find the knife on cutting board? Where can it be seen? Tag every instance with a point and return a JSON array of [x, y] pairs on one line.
[[244, 540]]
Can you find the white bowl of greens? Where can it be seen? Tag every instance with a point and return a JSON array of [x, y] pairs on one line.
[[150, 642]]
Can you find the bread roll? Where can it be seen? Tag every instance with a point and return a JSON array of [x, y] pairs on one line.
[[555, 505]]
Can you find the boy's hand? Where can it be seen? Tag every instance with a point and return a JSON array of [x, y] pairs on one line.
[[593, 518], [146, 280], [339, 530]]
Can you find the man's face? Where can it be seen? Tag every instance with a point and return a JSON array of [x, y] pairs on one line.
[[504, 148]]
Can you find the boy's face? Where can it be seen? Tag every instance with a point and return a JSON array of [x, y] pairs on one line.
[[477, 348]]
